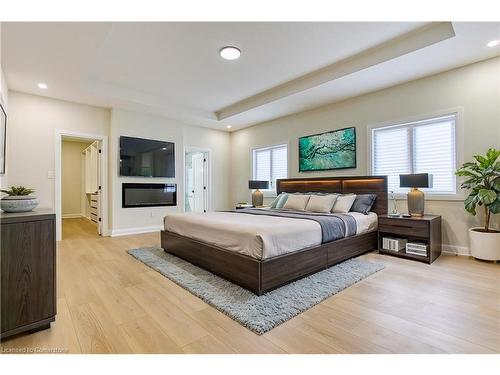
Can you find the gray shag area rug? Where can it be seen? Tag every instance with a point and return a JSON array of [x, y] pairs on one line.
[[258, 313]]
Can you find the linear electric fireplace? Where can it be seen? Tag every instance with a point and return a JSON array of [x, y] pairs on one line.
[[148, 195]]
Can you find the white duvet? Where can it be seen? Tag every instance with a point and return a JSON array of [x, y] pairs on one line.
[[258, 236]]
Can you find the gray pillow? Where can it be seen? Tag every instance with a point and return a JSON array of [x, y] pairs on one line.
[[363, 203]]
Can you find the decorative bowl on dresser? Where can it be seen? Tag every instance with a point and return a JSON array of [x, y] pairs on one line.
[[28, 271], [419, 232]]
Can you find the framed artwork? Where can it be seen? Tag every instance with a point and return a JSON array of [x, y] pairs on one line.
[[3, 132], [335, 149]]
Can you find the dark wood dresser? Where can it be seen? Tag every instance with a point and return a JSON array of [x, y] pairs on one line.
[[28, 271]]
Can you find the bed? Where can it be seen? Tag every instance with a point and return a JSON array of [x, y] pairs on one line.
[[286, 249]]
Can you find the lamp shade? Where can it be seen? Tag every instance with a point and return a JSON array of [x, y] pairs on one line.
[[255, 184], [417, 180]]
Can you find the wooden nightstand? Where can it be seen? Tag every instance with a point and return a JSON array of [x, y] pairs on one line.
[[424, 229]]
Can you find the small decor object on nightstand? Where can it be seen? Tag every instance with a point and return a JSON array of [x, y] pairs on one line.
[[415, 196], [419, 248], [242, 205], [392, 203], [257, 196]]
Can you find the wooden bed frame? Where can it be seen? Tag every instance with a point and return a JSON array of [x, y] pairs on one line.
[[261, 276]]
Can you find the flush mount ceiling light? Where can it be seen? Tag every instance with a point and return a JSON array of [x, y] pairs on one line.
[[42, 85], [228, 126], [230, 53], [493, 43]]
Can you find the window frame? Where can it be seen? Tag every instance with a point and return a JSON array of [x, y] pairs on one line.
[[269, 193], [459, 147]]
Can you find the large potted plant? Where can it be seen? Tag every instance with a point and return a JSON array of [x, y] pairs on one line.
[[18, 199], [483, 182]]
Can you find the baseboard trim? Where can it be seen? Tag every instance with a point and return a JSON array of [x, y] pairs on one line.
[[72, 216], [455, 250], [129, 231]]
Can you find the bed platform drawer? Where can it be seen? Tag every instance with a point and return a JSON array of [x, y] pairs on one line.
[[214, 259], [276, 271], [346, 248], [414, 228]]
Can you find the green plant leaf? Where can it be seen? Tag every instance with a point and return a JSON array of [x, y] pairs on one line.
[[18, 190], [482, 160], [495, 206], [487, 196], [466, 173], [492, 155], [470, 204], [496, 184]]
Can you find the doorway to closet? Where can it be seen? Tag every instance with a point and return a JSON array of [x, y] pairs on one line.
[[197, 180], [80, 185], [80, 188]]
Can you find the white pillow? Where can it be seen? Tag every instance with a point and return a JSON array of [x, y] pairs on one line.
[[296, 202], [343, 203], [321, 203]]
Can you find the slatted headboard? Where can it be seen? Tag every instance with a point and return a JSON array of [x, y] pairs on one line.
[[343, 185]]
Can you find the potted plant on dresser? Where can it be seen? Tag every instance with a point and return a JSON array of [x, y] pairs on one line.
[[18, 199], [482, 179]]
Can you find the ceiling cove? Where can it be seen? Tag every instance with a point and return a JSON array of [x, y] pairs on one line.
[[401, 45]]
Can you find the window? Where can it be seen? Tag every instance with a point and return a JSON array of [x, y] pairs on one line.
[[426, 146], [269, 164]]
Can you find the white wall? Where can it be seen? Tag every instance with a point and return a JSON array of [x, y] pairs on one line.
[[72, 178], [219, 145], [474, 88], [128, 220], [30, 139], [4, 99], [30, 152]]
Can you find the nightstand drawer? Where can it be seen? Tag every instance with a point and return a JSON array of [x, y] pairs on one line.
[[404, 227]]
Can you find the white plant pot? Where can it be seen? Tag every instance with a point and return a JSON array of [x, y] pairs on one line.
[[485, 246]]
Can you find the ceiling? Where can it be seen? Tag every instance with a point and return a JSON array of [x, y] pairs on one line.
[[174, 69]]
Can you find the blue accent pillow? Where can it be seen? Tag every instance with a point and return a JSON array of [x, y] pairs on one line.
[[276, 200], [363, 203], [282, 201]]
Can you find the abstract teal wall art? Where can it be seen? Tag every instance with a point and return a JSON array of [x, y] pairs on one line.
[[331, 150]]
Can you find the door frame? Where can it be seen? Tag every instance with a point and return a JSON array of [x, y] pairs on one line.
[[209, 174], [103, 178]]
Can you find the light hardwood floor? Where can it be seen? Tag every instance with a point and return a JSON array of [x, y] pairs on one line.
[[108, 302]]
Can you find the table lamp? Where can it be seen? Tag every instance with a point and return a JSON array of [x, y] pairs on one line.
[[257, 196], [415, 196]]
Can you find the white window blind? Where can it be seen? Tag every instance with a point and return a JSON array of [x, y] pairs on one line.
[[426, 146], [269, 164]]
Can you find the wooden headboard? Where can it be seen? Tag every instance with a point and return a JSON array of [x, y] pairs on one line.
[[343, 185]]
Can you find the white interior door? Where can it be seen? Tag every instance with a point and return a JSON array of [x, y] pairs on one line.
[[93, 183], [199, 187], [98, 187]]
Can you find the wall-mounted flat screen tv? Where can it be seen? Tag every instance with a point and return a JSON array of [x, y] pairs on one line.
[[146, 157]]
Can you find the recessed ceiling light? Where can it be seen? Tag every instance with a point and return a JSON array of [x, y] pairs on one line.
[[228, 126], [164, 148], [493, 43], [42, 85], [230, 53]]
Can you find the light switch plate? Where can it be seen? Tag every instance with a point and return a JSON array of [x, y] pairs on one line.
[[51, 175]]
